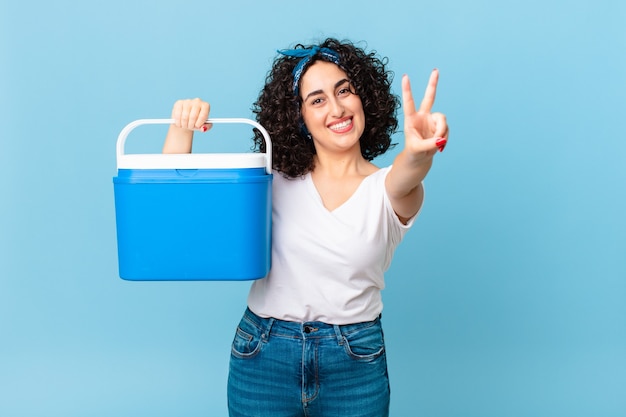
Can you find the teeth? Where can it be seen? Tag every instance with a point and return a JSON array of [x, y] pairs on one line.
[[341, 125]]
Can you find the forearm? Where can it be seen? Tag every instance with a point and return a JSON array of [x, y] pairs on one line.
[[404, 184], [178, 140], [407, 173]]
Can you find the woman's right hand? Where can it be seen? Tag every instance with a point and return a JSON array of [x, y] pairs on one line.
[[189, 115]]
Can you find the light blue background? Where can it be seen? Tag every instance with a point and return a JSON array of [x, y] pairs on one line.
[[508, 297]]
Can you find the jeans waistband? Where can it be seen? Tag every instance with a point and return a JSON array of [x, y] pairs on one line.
[[311, 329]]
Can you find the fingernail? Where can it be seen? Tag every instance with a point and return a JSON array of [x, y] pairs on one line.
[[441, 143], [204, 128]]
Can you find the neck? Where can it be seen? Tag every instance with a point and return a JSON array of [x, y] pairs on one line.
[[341, 165]]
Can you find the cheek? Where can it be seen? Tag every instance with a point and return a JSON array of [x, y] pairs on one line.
[[358, 105], [309, 118]]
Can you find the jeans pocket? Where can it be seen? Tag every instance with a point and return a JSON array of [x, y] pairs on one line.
[[247, 341], [365, 344]]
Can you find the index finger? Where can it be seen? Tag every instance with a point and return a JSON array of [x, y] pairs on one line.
[[430, 93], [408, 104], [177, 112]]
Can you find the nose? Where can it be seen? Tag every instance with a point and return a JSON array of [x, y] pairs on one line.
[[337, 109]]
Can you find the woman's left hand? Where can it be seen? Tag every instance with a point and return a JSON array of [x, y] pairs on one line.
[[424, 132]]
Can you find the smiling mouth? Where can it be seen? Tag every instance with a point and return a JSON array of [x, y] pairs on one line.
[[341, 127]]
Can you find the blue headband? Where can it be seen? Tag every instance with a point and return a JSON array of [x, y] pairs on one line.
[[306, 55]]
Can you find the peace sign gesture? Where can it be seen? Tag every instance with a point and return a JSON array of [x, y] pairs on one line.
[[424, 131]]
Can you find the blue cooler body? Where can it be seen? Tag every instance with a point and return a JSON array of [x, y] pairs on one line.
[[193, 216]]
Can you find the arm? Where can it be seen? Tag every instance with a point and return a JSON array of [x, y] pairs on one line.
[[424, 132], [188, 115]]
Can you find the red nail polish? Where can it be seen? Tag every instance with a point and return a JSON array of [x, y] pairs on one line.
[[204, 128], [441, 144]]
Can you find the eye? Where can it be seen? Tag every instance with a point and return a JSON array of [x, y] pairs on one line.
[[344, 91], [316, 101]]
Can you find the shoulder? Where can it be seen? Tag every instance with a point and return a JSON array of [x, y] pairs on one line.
[[380, 173], [288, 187]]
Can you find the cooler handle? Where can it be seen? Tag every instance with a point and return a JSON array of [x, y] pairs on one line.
[[121, 139]]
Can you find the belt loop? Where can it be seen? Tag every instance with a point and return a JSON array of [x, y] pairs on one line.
[[268, 328], [338, 334]]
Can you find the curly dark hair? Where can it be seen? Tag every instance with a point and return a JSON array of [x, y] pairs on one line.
[[277, 108]]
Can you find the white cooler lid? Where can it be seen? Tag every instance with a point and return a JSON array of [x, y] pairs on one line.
[[192, 161]]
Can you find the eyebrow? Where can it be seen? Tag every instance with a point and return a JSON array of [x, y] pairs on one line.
[[337, 84]]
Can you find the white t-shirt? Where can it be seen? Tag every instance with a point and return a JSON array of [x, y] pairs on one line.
[[328, 265]]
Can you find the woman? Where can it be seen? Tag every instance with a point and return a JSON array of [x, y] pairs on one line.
[[310, 342]]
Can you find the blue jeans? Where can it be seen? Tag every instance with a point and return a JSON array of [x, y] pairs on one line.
[[288, 369]]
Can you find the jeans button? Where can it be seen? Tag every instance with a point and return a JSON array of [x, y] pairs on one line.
[[310, 329]]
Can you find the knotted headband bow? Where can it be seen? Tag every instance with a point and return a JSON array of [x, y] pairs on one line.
[[306, 54]]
